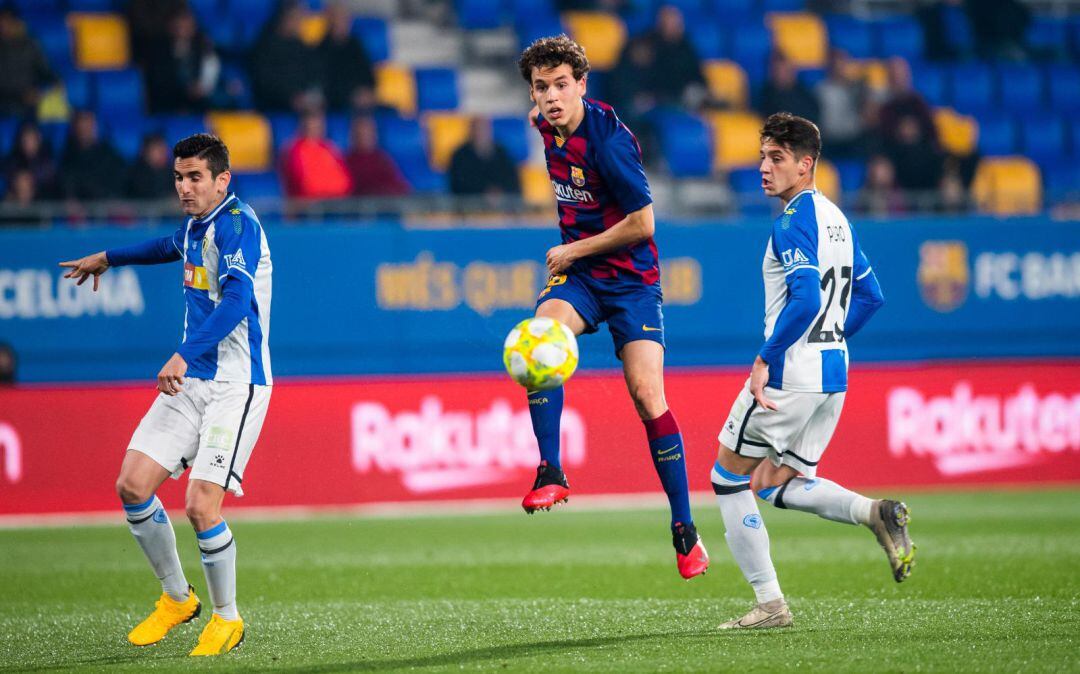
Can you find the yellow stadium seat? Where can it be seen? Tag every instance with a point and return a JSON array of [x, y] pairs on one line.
[[248, 137], [313, 29], [736, 139], [873, 72], [727, 82], [800, 37], [1007, 186], [536, 185], [99, 41], [395, 86], [602, 35], [446, 132], [958, 133], [827, 180]]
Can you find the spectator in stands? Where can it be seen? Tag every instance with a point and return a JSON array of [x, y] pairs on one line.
[[151, 176], [373, 171], [349, 77], [903, 101], [841, 99], [676, 73], [783, 92], [880, 194], [629, 89], [918, 163], [313, 166], [22, 190], [181, 70], [31, 153], [148, 23], [90, 167], [24, 70], [481, 166], [286, 74]]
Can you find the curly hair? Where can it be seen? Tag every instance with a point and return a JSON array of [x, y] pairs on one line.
[[204, 146], [795, 133], [552, 52]]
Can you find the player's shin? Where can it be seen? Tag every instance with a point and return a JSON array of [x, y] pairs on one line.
[[545, 409], [745, 532], [822, 497], [219, 564], [150, 525], [669, 459]]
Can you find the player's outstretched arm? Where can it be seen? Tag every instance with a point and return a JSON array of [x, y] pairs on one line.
[[634, 228], [92, 265]]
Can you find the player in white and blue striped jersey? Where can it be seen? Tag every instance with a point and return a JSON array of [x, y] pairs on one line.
[[214, 391], [819, 291]]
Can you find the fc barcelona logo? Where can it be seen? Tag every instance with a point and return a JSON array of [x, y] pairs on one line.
[[577, 175], [943, 274]]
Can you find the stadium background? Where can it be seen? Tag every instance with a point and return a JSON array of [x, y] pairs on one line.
[[389, 311]]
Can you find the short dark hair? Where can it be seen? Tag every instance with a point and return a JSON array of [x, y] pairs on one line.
[[552, 52], [204, 146], [795, 133]]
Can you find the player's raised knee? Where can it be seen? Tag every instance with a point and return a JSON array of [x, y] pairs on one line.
[[132, 490]]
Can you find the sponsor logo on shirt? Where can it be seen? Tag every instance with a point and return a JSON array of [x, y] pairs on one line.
[[195, 277], [567, 193]]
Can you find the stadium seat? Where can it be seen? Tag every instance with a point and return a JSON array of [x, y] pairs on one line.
[[811, 77], [997, 134], [1007, 186], [531, 27], [746, 184], [900, 36], [177, 127], [1048, 37], [751, 44], [446, 132], [853, 36], [731, 11], [973, 87], [395, 86], [827, 179], [601, 34], [248, 136], [536, 186], [404, 140], [479, 14], [707, 38], [283, 127], [783, 5], [1061, 184], [118, 93], [873, 72], [957, 28], [801, 37], [852, 174], [1043, 136], [100, 41], [931, 81], [1021, 87], [436, 89], [510, 132], [80, 93], [374, 35], [55, 134], [126, 137], [727, 82], [958, 134], [735, 139], [313, 29], [685, 144], [94, 5], [259, 185], [338, 129], [1063, 82], [8, 127], [52, 33]]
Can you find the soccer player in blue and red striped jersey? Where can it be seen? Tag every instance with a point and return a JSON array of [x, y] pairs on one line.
[[606, 269]]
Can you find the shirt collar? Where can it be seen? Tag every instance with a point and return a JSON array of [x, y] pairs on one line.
[[796, 197], [229, 198]]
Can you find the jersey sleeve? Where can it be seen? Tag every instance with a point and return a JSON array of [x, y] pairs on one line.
[[619, 164], [795, 238], [239, 240], [860, 263]]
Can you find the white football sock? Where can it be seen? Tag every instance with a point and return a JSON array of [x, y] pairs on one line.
[[746, 534], [150, 525], [822, 497], [219, 563]]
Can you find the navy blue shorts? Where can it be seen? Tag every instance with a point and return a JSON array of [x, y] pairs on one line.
[[632, 309]]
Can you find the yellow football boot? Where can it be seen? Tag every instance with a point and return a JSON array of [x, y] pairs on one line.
[[168, 613], [220, 636]]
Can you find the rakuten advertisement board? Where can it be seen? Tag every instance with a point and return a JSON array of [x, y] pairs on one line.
[[405, 439]]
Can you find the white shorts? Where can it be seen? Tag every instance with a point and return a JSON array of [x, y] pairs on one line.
[[796, 434], [210, 426]]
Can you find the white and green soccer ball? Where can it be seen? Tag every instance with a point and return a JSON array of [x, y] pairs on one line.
[[540, 353]]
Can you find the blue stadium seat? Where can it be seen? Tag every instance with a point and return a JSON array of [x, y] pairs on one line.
[[997, 134], [8, 127], [283, 128], [176, 127], [810, 77], [851, 35], [1044, 137], [373, 34], [750, 46], [257, 185], [958, 30], [746, 184], [512, 134], [221, 29], [1061, 182], [94, 5], [40, 6], [337, 129], [55, 134], [1048, 36], [125, 135], [421, 176], [1021, 87], [403, 138], [1074, 35], [235, 85], [931, 81], [80, 93], [783, 5], [730, 11], [52, 33], [533, 27], [973, 87], [852, 174], [248, 17], [1063, 83], [119, 93], [695, 7], [639, 16], [436, 89], [707, 38], [900, 36], [474, 14], [685, 143]]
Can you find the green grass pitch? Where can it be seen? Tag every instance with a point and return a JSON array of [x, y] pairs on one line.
[[996, 588]]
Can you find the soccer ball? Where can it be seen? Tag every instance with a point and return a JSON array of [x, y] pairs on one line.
[[540, 353]]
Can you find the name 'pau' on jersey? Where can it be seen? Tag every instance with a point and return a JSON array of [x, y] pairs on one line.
[[813, 236], [229, 243], [598, 179]]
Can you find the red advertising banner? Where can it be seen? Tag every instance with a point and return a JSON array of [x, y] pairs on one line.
[[437, 438]]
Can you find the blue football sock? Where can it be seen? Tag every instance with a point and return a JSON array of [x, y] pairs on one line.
[[545, 408], [669, 458]]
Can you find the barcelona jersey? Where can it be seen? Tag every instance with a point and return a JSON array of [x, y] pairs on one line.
[[598, 179]]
